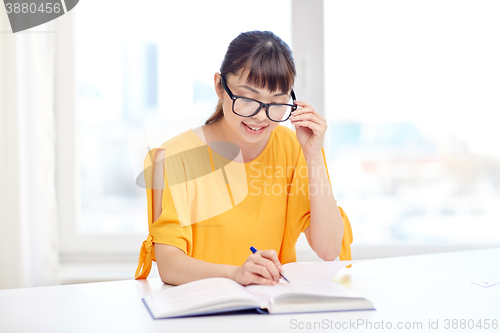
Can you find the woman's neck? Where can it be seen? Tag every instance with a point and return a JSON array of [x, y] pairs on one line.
[[221, 132]]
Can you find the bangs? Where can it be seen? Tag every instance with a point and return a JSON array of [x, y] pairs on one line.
[[264, 57], [270, 69]]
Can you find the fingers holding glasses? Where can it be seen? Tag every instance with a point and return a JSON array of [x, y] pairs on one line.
[[306, 116]]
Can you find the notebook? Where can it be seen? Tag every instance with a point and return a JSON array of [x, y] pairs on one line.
[[310, 290]]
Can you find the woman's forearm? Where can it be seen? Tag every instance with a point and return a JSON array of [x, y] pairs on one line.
[[326, 226], [175, 267]]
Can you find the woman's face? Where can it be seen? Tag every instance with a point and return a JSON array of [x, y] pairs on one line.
[[241, 126]]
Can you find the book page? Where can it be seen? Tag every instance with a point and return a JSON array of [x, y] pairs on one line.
[[321, 271], [200, 295], [301, 289]]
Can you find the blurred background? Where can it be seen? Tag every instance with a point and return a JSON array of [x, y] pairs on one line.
[[410, 91]]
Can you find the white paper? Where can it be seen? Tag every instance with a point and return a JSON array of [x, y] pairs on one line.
[[487, 283], [321, 271], [301, 288]]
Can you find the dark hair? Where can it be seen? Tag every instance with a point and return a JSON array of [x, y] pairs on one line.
[[267, 58]]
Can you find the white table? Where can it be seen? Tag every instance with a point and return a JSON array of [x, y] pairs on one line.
[[413, 289]]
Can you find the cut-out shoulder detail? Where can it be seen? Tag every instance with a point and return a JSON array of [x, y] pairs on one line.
[[255, 214], [158, 183], [199, 132]]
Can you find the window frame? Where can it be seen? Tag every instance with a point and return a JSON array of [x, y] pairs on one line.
[[73, 244]]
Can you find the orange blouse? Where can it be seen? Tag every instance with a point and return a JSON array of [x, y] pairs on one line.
[[214, 208]]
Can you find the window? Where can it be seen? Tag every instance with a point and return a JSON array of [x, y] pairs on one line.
[[143, 77], [411, 90]]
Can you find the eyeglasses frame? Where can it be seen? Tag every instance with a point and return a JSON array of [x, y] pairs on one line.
[[262, 105]]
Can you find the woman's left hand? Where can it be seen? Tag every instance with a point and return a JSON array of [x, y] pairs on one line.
[[310, 128]]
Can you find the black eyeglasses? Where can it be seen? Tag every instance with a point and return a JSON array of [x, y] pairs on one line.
[[248, 107]]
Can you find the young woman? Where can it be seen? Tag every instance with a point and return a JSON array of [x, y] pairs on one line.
[[242, 179]]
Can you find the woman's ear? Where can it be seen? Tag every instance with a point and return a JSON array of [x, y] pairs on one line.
[[218, 85]]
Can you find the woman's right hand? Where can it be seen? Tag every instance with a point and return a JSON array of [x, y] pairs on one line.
[[262, 267]]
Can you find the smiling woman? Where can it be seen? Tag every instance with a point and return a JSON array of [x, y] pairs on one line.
[[215, 208]]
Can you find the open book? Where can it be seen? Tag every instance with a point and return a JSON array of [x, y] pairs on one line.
[[309, 291]]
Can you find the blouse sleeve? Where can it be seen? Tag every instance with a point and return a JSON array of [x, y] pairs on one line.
[[166, 229], [299, 210]]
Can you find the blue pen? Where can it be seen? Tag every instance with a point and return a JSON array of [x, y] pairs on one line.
[[253, 249]]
